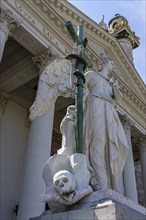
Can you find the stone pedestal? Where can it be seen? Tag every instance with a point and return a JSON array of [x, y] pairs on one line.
[[104, 204]]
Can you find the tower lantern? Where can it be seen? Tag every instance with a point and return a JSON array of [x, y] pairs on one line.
[[119, 27]]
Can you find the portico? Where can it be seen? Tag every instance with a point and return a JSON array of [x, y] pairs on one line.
[[28, 44]]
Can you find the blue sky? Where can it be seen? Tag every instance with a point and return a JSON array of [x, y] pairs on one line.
[[134, 11]]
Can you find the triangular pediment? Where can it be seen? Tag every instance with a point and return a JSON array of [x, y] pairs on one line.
[[46, 21]]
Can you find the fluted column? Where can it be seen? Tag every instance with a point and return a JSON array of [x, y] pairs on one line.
[[129, 171], [37, 153], [142, 142], [7, 25]]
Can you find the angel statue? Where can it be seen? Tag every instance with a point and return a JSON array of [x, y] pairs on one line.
[[66, 175], [104, 140], [105, 143]]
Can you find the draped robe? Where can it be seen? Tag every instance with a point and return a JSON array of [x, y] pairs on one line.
[[105, 142]]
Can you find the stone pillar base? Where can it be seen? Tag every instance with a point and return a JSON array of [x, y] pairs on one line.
[[95, 207]]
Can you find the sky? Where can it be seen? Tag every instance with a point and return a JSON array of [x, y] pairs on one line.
[[133, 10]]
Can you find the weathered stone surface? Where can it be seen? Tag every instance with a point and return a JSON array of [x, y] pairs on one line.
[[106, 211], [102, 205]]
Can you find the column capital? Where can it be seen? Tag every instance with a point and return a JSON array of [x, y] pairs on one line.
[[43, 59], [3, 102], [8, 22], [127, 123]]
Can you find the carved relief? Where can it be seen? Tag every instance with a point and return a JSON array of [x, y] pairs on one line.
[[8, 17], [43, 59]]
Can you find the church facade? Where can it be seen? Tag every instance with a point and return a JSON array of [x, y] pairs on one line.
[[33, 34]]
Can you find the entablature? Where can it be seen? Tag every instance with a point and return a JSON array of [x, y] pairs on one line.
[[44, 20]]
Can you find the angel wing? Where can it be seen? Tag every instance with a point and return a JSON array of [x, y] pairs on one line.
[[54, 81]]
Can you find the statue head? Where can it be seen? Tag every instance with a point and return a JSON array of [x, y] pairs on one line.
[[64, 182], [106, 63]]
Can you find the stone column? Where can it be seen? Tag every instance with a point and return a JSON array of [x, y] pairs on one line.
[[129, 171], [142, 142], [7, 25], [37, 153], [127, 47]]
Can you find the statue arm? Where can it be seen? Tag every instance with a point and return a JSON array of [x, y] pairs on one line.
[[116, 90]]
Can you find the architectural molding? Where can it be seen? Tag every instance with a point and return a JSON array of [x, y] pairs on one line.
[[9, 20], [128, 124], [44, 58], [18, 75], [58, 11]]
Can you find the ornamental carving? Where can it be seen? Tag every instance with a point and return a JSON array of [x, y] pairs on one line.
[[44, 58], [8, 17]]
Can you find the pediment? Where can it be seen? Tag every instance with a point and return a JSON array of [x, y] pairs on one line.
[[45, 20]]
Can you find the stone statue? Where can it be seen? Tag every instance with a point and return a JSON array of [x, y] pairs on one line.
[[67, 180], [67, 128], [100, 136], [105, 143]]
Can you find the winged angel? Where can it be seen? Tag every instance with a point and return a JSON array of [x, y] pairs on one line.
[[55, 81]]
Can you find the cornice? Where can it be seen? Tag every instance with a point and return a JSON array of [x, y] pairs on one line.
[[64, 7], [57, 11], [18, 75]]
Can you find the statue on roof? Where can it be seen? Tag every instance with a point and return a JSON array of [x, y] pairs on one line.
[[103, 24]]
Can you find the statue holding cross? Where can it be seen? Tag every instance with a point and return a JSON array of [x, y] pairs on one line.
[[99, 148]]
